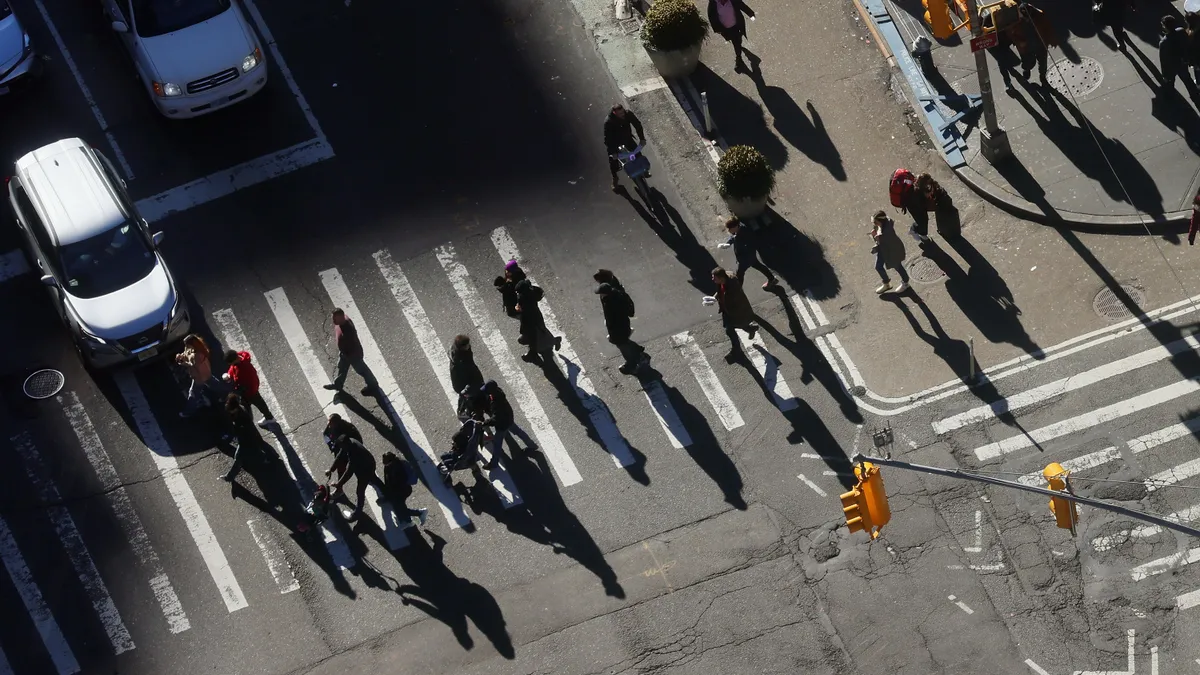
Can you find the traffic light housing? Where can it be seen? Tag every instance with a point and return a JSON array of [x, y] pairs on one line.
[[858, 514], [937, 15], [1066, 513], [865, 506]]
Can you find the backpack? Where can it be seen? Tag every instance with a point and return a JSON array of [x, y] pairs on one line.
[[901, 184], [629, 309]]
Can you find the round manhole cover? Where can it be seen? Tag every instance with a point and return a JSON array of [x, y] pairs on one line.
[[44, 384], [1076, 79], [1114, 307], [925, 271]]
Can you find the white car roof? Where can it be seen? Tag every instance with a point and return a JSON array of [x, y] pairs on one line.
[[66, 182]]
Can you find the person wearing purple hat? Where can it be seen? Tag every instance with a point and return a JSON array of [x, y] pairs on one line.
[[507, 286]]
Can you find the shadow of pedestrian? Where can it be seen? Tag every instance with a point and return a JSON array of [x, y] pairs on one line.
[[797, 258], [675, 233], [807, 427], [449, 598], [814, 364], [802, 133], [740, 118]]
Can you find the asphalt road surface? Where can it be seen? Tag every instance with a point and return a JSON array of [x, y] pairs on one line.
[[685, 520]]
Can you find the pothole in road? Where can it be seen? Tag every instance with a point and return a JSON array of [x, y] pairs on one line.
[[1114, 307], [926, 271]]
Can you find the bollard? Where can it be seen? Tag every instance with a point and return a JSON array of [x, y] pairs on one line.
[[708, 125], [971, 356], [622, 9]]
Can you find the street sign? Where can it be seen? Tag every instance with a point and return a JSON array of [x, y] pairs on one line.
[[985, 41]]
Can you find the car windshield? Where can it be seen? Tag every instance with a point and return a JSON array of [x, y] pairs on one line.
[[157, 17], [106, 262]]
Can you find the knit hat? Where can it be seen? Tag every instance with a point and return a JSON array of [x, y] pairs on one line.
[[604, 289], [510, 264]]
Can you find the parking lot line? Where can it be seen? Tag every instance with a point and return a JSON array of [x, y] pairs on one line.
[[283, 68], [87, 93]]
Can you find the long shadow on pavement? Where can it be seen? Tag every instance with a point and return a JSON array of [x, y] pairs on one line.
[[797, 258], [805, 133], [675, 233], [740, 119]]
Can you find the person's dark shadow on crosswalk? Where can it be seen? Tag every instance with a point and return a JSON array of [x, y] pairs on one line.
[[815, 365]]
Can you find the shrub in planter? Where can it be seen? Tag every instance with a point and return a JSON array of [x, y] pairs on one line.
[[744, 173], [673, 25]]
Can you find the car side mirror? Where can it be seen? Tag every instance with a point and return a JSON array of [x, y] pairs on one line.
[[49, 281], [158, 237], [120, 26]]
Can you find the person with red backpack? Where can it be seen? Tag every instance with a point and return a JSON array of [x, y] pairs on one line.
[[906, 194], [244, 377]]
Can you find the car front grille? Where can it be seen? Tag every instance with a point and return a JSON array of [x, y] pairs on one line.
[[206, 83], [143, 339]]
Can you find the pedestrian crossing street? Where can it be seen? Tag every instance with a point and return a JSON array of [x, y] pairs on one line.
[[293, 371]]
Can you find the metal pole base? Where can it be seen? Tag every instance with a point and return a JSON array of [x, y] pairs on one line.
[[995, 147]]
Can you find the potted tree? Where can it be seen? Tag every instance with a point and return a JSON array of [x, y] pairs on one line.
[[673, 33], [745, 179]]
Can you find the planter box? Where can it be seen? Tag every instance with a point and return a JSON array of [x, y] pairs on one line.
[[746, 207], [680, 63]]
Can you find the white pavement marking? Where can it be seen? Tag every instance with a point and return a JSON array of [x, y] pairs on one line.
[[1165, 435], [1089, 419], [122, 506], [394, 402], [5, 666], [571, 366], [1035, 667], [87, 93], [1129, 642], [272, 552], [1187, 601], [1164, 564], [224, 183], [422, 328], [978, 547], [52, 637], [72, 543], [1173, 475], [235, 338], [168, 467], [668, 419], [1137, 445], [768, 368], [708, 380], [989, 567], [812, 485], [961, 605], [550, 443], [1065, 385], [13, 264], [1075, 465], [1111, 541], [314, 372], [645, 86], [283, 68]]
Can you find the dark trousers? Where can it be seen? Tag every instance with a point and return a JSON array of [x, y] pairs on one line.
[[364, 479], [736, 40], [744, 265], [1027, 59], [631, 351], [249, 447], [1118, 29], [731, 330], [257, 401], [881, 267]]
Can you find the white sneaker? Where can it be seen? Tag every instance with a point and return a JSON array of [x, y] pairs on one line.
[[884, 288], [264, 423], [902, 287]]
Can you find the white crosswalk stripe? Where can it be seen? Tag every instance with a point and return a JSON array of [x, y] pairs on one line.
[[5, 666], [72, 542], [768, 369], [314, 372], [35, 604], [708, 380], [273, 554]]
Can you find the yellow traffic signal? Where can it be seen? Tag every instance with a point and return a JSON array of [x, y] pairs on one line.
[[1066, 513], [870, 481], [858, 514], [937, 15]]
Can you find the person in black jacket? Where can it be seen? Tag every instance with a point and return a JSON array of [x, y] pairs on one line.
[[500, 418], [1111, 13], [728, 19], [464, 374], [507, 286], [1172, 53], [618, 310], [745, 251], [534, 333], [249, 441], [399, 488], [618, 131], [337, 427], [353, 459]]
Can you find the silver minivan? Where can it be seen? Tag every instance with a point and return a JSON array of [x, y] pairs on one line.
[[18, 62]]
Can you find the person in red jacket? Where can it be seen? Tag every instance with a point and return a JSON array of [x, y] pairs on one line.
[[244, 377]]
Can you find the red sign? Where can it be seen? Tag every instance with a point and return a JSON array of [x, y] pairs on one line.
[[985, 41]]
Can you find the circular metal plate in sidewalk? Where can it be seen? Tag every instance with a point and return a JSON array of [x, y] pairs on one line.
[[44, 384], [1109, 306], [926, 271], [1076, 79]]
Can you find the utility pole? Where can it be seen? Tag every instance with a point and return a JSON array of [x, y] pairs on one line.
[[993, 141]]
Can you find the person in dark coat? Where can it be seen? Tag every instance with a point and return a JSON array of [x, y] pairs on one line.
[[1172, 53], [745, 251], [603, 276], [889, 252], [398, 488], [353, 459], [250, 443], [501, 419], [728, 19], [1033, 35], [618, 310], [1112, 14], [618, 132], [735, 310], [507, 286], [337, 427], [534, 334], [463, 371]]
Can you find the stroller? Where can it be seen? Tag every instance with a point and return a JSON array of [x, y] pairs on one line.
[[318, 510], [464, 449]]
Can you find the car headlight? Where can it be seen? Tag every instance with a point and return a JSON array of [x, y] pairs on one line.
[[178, 315], [90, 340], [167, 89], [252, 60]]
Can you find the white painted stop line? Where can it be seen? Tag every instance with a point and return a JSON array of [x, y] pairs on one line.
[[31, 596]]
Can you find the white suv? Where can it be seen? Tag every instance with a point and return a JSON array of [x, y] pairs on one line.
[[96, 255]]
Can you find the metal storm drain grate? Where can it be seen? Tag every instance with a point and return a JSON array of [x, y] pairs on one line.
[[1075, 79], [44, 384], [1113, 307], [925, 271]]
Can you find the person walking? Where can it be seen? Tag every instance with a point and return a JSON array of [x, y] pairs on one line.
[[534, 333], [248, 442], [399, 488], [745, 251], [337, 427], [507, 286], [618, 310], [464, 374], [1033, 36], [1172, 53], [618, 132], [500, 417], [1111, 13], [350, 355], [603, 276], [244, 377], [889, 252], [196, 360], [353, 459], [728, 19], [735, 309]]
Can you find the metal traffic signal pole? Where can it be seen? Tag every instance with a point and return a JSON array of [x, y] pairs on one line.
[[957, 473], [993, 141]]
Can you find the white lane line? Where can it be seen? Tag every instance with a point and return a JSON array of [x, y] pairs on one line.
[[224, 183], [87, 93], [1187, 601], [1075, 465], [1165, 435], [1111, 541], [1137, 445], [235, 338], [768, 368], [435, 353], [645, 86], [283, 68], [1089, 419], [1035, 667], [978, 547], [1129, 643], [571, 366], [547, 438], [5, 666], [122, 506], [43, 619], [1173, 475], [189, 509], [394, 402], [668, 419], [708, 380], [72, 543], [13, 264], [812, 485], [990, 567], [961, 605], [1165, 563], [272, 552], [314, 372], [1065, 385]]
